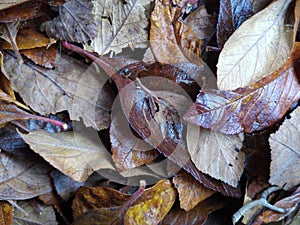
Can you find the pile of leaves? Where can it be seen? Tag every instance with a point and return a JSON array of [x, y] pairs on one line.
[[149, 112]]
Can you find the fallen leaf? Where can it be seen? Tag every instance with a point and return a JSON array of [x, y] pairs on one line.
[[196, 216], [290, 204], [28, 177], [232, 14], [6, 213], [28, 37], [75, 22], [64, 186], [77, 155], [252, 108], [297, 19], [197, 192], [19, 10], [153, 204], [163, 128], [264, 46], [9, 3], [165, 36], [70, 86], [216, 154], [258, 5], [120, 24], [128, 151], [43, 56], [38, 214], [285, 153]]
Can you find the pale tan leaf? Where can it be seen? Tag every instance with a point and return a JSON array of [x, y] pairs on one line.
[[22, 177], [216, 154], [197, 192], [74, 154], [258, 47], [121, 24], [70, 86], [285, 153], [9, 3], [38, 214]]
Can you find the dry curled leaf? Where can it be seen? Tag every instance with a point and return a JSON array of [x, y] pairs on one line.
[[197, 192], [37, 214], [62, 89], [264, 44], [216, 154], [153, 204], [285, 153], [75, 23], [28, 177], [252, 108], [74, 155], [121, 24]]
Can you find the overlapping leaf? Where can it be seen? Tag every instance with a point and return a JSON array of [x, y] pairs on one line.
[[120, 24], [258, 47], [252, 108], [75, 22], [286, 153]]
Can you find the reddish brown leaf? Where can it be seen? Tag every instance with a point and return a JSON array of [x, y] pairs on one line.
[[197, 192], [232, 14], [196, 216], [251, 108], [155, 116], [290, 204], [42, 56], [128, 151], [6, 213]]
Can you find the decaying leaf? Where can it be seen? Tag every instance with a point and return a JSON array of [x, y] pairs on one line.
[[196, 216], [290, 204], [6, 213], [258, 5], [121, 24], [37, 214], [9, 3], [252, 108], [153, 204], [28, 177], [75, 22], [128, 151], [285, 153], [216, 154], [166, 35], [62, 89], [43, 56], [196, 192], [260, 46], [74, 155], [232, 14]]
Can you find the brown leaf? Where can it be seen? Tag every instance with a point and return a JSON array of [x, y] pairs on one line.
[[75, 23], [70, 86], [255, 56], [216, 154], [28, 37], [153, 204], [197, 192], [251, 108], [6, 213], [120, 24], [28, 177], [19, 10], [258, 5], [128, 151], [232, 14], [285, 153], [290, 204], [165, 36], [42, 56], [37, 214], [76, 155], [196, 216]]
